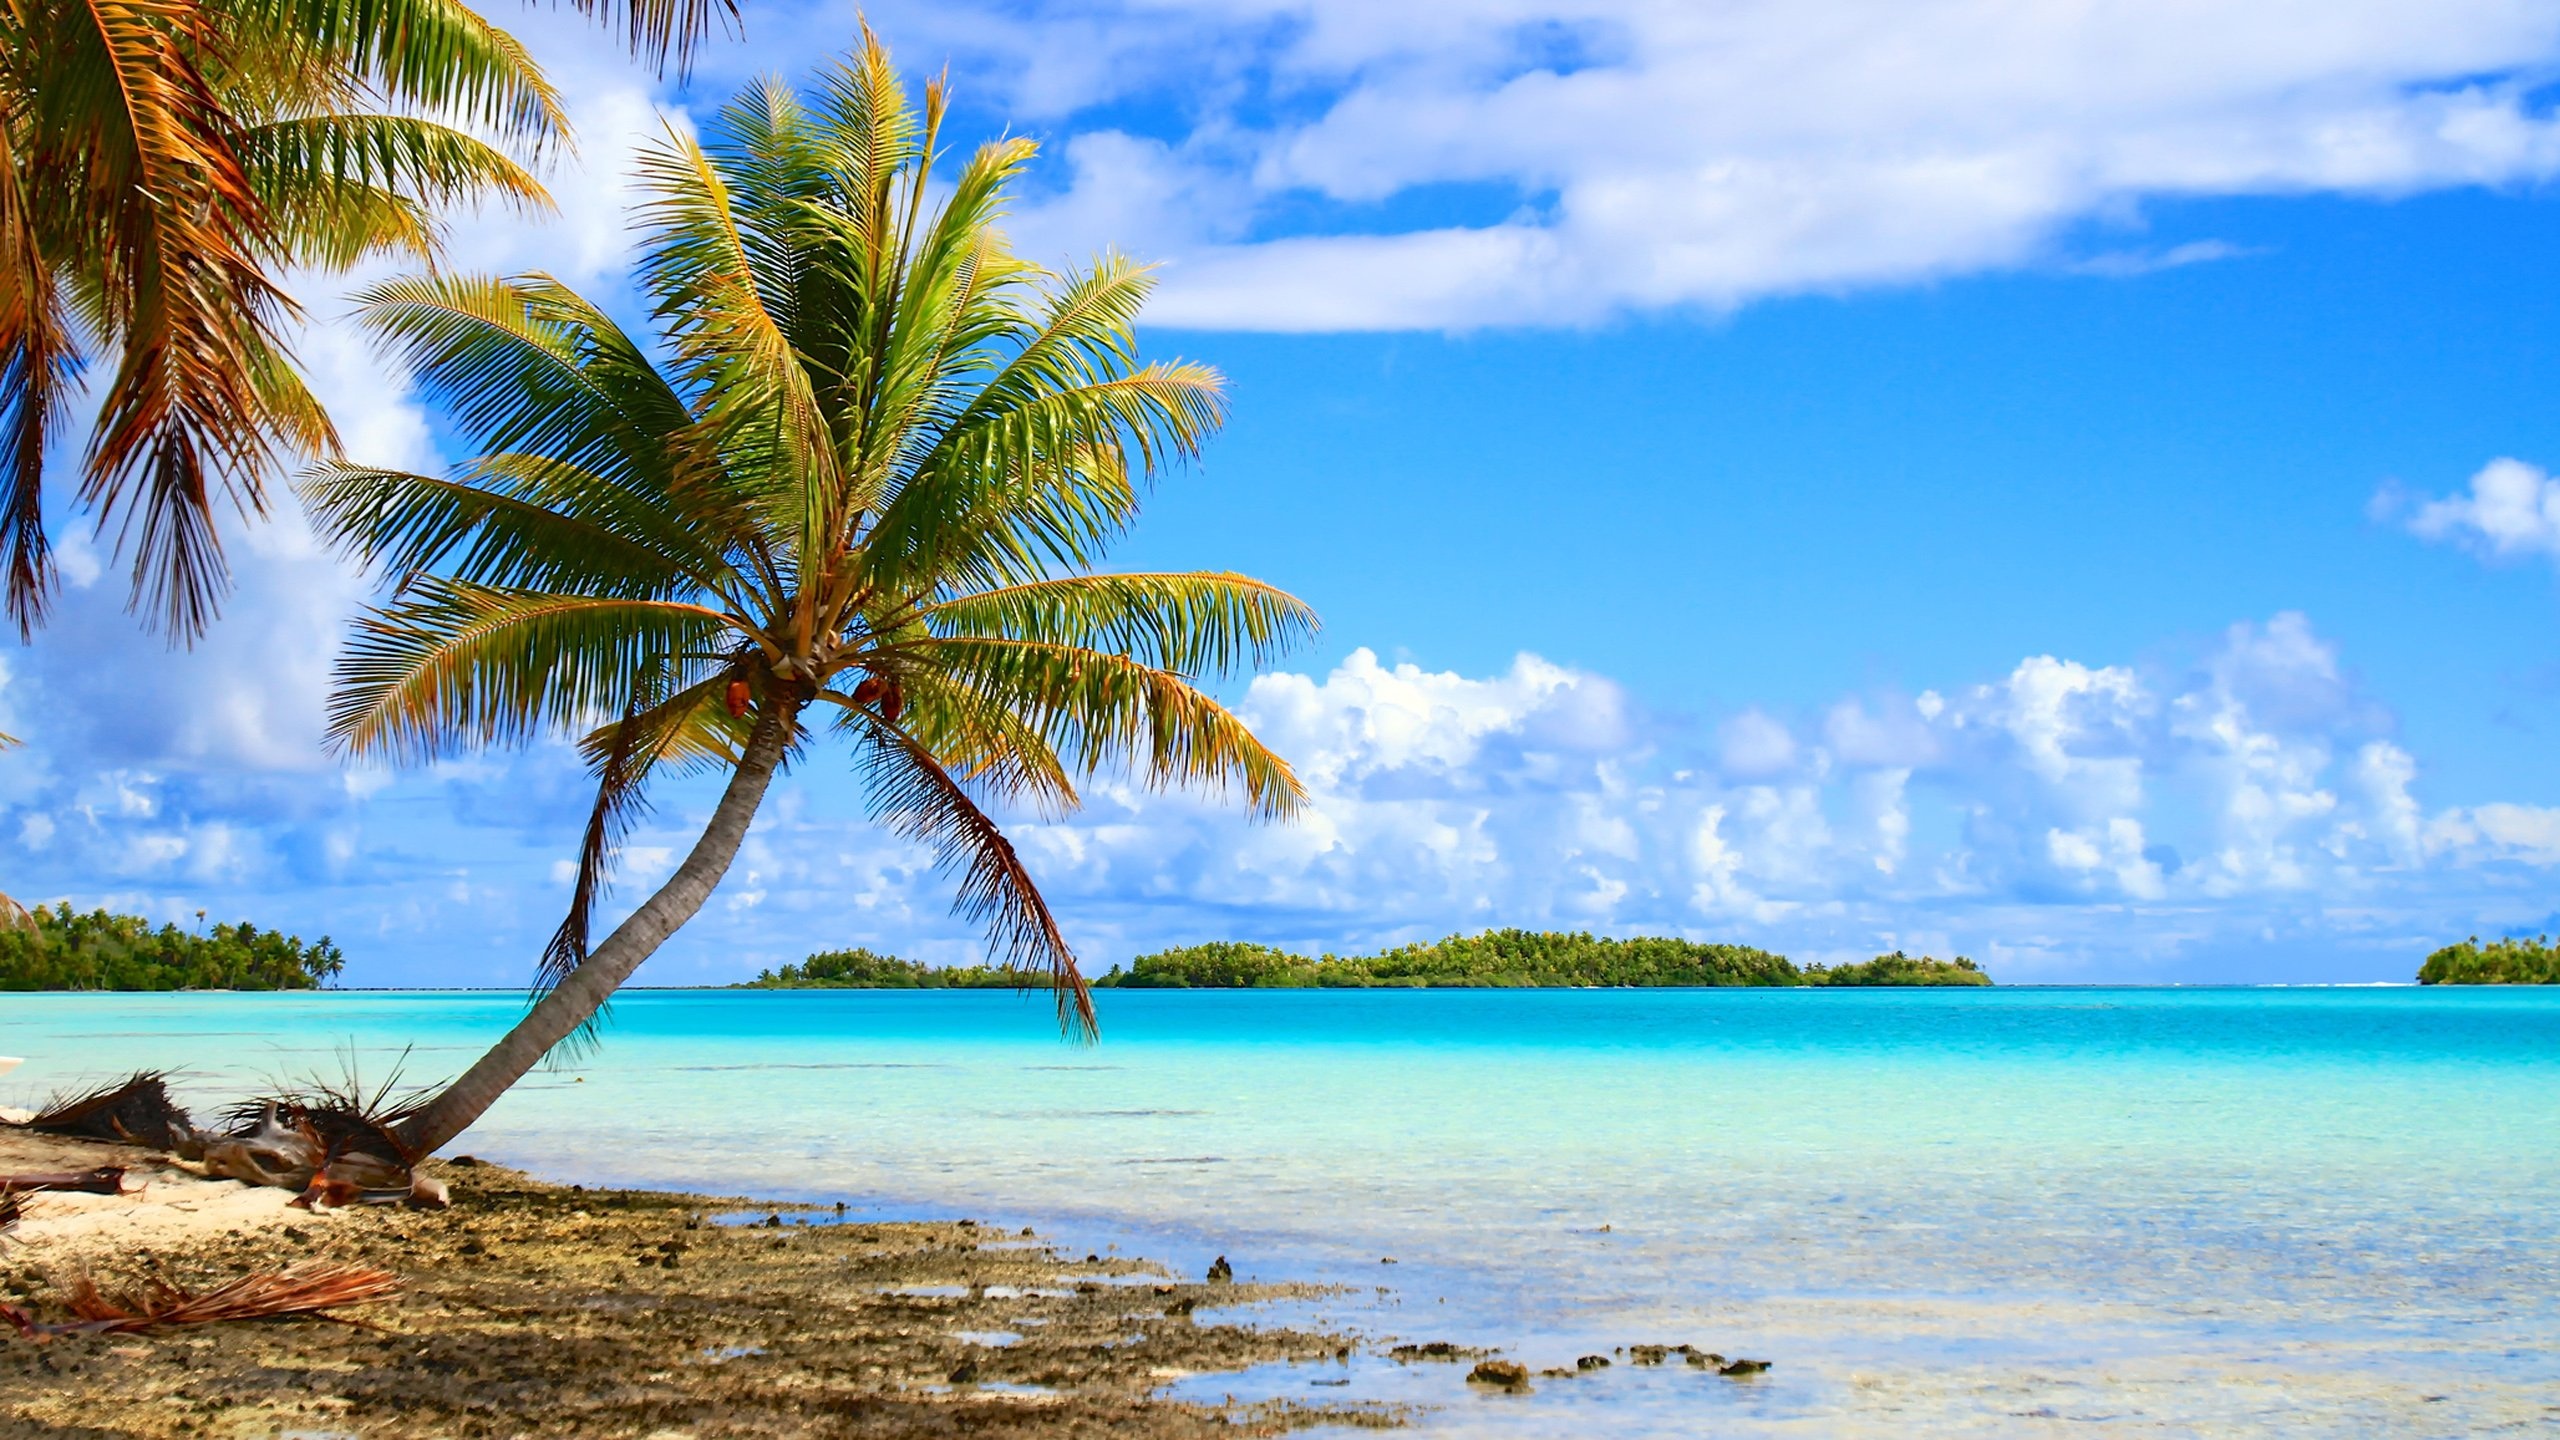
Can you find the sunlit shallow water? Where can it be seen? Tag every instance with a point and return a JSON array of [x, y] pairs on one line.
[[2235, 1212]]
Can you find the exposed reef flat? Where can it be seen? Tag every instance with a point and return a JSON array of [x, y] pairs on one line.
[[533, 1309]]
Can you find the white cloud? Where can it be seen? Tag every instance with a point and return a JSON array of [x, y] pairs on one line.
[[2064, 819], [2513, 509], [1757, 744], [1626, 155]]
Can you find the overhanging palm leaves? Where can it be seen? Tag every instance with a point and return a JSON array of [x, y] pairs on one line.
[[866, 487], [161, 162]]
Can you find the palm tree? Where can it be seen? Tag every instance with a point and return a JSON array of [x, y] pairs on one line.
[[162, 163], [867, 485]]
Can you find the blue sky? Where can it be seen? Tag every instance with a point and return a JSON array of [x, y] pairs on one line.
[[2058, 485]]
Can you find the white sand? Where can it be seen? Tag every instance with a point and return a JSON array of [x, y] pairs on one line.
[[175, 1204]]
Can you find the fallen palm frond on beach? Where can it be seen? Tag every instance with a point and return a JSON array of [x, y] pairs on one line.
[[134, 1111], [298, 1290]]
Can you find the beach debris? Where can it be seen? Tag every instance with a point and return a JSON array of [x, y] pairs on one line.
[[1436, 1350], [136, 1110], [1508, 1375], [311, 1289], [1220, 1272], [1742, 1369], [331, 1155], [334, 1143], [105, 1180]]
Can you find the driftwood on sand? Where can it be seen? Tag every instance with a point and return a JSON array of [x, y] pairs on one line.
[[333, 1155], [105, 1180]]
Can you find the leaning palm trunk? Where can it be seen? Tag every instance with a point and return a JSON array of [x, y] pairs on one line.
[[869, 484], [574, 1003]]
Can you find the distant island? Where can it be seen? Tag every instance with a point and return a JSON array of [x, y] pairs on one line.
[[2500, 962], [1508, 959], [860, 969], [57, 949]]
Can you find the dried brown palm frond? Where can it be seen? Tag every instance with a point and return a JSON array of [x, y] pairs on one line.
[[312, 1289], [11, 1212], [134, 1111], [347, 1109]]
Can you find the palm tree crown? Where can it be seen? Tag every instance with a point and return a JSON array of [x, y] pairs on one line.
[[865, 485]]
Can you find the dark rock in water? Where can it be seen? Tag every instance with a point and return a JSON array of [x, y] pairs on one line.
[[1092, 1259], [1592, 1362], [1509, 1375], [773, 1222], [466, 1162], [1648, 1354], [1436, 1350], [1220, 1272], [1026, 1230], [965, 1373], [1705, 1359], [1740, 1368]]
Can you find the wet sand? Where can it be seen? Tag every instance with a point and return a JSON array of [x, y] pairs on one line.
[[533, 1309]]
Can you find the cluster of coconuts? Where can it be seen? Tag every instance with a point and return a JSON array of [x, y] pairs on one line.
[[887, 696]]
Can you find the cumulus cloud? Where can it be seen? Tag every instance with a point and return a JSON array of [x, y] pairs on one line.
[[1320, 165], [2064, 819], [2512, 510], [1487, 162]]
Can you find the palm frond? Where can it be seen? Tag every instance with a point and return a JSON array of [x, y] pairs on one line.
[[1187, 623], [454, 665], [1105, 711], [911, 793]]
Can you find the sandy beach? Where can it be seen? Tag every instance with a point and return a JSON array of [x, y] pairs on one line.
[[532, 1309]]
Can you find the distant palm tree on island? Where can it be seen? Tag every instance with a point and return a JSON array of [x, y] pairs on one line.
[[868, 484]]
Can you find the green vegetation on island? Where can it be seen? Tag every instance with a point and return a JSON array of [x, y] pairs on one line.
[[62, 950], [1519, 959], [1504, 959], [859, 969], [2514, 961], [1900, 969]]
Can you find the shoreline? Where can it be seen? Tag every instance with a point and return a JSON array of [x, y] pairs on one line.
[[539, 1309]]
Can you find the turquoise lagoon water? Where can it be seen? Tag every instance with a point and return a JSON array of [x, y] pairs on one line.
[[2011, 1212]]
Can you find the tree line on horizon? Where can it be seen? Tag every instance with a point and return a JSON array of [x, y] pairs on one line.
[[61, 949], [1490, 959]]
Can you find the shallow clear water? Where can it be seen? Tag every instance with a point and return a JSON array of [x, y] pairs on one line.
[[2101, 1211]]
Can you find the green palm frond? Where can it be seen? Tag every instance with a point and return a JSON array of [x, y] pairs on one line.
[[915, 797], [340, 187], [1105, 711], [454, 665], [1187, 623]]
